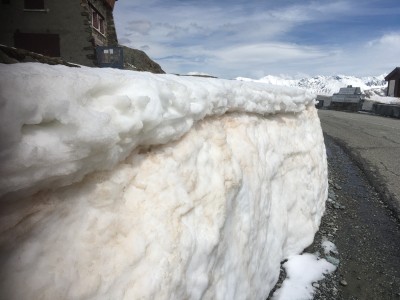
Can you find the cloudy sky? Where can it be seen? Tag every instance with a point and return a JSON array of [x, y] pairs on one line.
[[254, 38]]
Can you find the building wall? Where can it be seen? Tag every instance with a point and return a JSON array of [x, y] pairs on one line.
[[110, 36], [367, 105], [71, 20], [346, 98], [325, 101], [393, 80]]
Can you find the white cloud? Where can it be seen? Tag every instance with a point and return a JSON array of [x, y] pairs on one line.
[[242, 39], [140, 26], [387, 40], [269, 52]]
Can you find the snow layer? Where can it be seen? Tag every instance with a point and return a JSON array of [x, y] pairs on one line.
[[239, 184], [59, 124], [385, 100]]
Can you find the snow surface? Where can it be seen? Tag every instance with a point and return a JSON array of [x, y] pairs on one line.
[[301, 272], [329, 247], [123, 185], [95, 119], [385, 100], [199, 74], [326, 85]]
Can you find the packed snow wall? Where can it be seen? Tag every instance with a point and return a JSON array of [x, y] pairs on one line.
[[125, 185]]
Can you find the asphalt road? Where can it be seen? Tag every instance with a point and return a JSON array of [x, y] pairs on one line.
[[365, 232], [374, 143]]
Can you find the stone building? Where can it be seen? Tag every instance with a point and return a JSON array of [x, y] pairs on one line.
[[348, 98], [393, 79], [323, 101], [68, 29]]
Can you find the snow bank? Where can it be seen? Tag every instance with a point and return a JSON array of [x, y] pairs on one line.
[[59, 124], [194, 188], [384, 99]]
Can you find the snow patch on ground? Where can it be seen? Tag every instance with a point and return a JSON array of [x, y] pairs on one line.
[[329, 247], [302, 271]]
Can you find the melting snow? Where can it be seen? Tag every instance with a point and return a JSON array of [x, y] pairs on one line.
[[123, 185], [328, 247], [301, 272]]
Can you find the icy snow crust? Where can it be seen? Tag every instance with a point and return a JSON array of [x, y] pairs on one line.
[[59, 124], [207, 215]]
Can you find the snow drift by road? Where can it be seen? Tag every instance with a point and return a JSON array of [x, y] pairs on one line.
[[59, 124], [124, 185]]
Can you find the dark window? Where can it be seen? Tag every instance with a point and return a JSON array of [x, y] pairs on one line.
[[43, 43], [101, 25], [34, 4], [95, 19], [98, 21]]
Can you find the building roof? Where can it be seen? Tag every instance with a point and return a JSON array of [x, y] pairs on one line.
[[110, 3], [349, 90], [394, 73]]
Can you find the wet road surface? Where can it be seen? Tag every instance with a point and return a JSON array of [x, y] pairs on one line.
[[365, 231], [374, 144]]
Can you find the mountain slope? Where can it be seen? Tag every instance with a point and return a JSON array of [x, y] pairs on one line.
[[327, 85]]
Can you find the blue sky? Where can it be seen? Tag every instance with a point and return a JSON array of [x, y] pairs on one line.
[[255, 38]]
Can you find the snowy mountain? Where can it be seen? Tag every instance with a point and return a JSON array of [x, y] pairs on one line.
[[327, 85]]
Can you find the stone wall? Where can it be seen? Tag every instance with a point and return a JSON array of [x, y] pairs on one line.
[[70, 20], [11, 55], [110, 36], [386, 110]]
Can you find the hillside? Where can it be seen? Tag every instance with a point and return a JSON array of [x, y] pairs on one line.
[[138, 60]]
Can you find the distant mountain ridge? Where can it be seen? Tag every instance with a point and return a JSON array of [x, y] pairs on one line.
[[327, 85]]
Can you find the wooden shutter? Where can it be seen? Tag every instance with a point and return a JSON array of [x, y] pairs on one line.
[[34, 4], [42, 43]]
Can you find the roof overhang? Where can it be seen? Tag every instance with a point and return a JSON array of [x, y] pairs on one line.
[[395, 72], [110, 3]]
